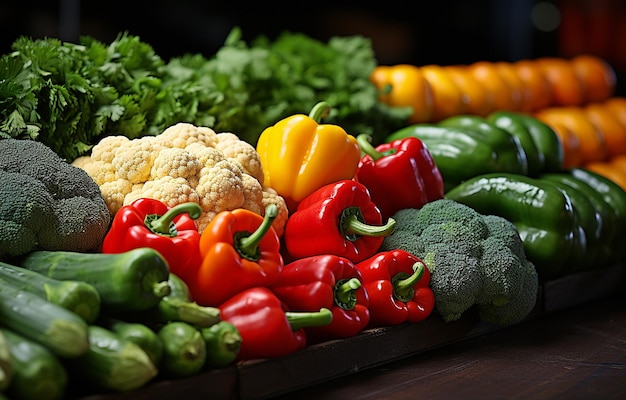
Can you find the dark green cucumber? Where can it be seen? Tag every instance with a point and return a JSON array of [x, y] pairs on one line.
[[77, 296], [131, 281], [60, 330], [37, 373], [178, 306], [6, 369], [223, 343], [138, 333], [184, 350], [113, 363]]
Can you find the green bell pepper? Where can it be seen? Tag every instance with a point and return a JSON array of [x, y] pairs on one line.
[[462, 152], [615, 196], [600, 238], [543, 214], [542, 145]]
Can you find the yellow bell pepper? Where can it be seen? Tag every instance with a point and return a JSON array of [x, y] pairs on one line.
[[299, 155]]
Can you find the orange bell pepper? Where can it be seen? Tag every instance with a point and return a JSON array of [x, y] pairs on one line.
[[300, 155], [240, 250]]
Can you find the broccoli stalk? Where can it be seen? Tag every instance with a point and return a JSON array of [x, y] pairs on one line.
[[474, 260]]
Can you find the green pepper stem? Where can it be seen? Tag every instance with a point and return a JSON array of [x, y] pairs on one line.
[[163, 225], [161, 289], [319, 111], [364, 142], [344, 293], [299, 320], [248, 246], [352, 226], [404, 287]]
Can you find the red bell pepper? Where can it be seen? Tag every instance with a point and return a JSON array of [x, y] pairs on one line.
[[267, 328], [151, 223], [239, 250], [325, 281], [400, 174], [397, 283], [339, 218]]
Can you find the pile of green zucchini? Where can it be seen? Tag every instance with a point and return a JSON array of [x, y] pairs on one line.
[[112, 321]]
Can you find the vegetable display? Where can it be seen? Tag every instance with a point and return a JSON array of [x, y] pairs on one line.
[[161, 219]]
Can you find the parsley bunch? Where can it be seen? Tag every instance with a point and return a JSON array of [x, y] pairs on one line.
[[69, 96]]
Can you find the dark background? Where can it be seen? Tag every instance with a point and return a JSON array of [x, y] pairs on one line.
[[419, 32]]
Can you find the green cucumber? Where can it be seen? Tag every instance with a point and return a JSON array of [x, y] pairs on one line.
[[178, 306], [60, 330], [77, 296], [223, 342], [37, 372], [131, 281], [138, 333], [184, 350], [113, 363], [6, 369]]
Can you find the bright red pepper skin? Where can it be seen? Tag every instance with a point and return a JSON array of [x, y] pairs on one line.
[[400, 174], [225, 270], [264, 325], [326, 281], [385, 307], [318, 224], [129, 231]]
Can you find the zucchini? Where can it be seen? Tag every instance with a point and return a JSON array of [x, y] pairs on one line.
[[138, 333], [184, 351], [6, 369], [113, 363], [60, 330], [223, 342], [77, 296], [178, 306], [131, 281], [37, 373]]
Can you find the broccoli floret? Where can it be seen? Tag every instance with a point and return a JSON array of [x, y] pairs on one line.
[[454, 279], [47, 203], [474, 260]]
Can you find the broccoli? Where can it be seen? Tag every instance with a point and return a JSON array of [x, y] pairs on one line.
[[47, 203], [474, 259]]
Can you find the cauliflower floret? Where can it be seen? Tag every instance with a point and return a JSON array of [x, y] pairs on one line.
[[183, 134], [234, 148], [177, 163], [114, 193], [107, 147], [134, 160], [252, 194], [100, 171], [169, 190], [81, 161], [221, 187], [271, 196], [208, 156], [205, 218]]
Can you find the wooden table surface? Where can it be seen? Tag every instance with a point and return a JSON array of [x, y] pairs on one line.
[[578, 353]]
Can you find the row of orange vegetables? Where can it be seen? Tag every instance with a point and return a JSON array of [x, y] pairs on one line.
[[573, 96]]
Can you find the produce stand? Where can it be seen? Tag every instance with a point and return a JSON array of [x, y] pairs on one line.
[[261, 379]]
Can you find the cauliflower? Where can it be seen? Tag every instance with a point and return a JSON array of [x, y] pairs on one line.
[[243, 152], [183, 134], [271, 196], [134, 160], [474, 259], [184, 163]]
